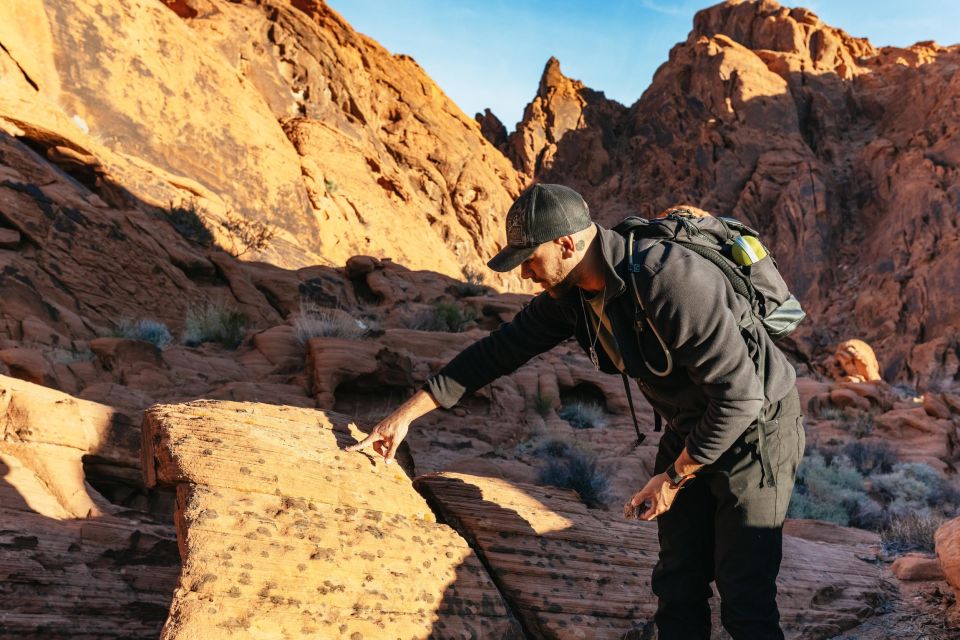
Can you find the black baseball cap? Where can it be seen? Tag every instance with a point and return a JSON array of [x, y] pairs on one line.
[[543, 212]]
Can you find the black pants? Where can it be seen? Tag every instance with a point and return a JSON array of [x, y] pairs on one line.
[[725, 526]]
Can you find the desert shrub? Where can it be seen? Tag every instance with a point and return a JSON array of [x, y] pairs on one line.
[[578, 470], [543, 404], [313, 321], [186, 220], [443, 316], [474, 283], [330, 186], [250, 235], [583, 415], [914, 487], [553, 449], [864, 487], [145, 329], [214, 323], [859, 425], [912, 530], [831, 490], [871, 457]]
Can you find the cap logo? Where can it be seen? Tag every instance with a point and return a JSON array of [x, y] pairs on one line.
[[515, 227]]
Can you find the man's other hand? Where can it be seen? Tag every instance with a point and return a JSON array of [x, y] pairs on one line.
[[658, 492]]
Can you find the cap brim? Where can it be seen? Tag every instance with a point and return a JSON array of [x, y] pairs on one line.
[[510, 258]]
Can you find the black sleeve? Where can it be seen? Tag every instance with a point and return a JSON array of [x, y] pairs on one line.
[[538, 327], [694, 312]]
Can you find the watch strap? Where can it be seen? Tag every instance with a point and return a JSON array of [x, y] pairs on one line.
[[674, 477]]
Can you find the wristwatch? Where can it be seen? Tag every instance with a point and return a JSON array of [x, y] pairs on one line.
[[675, 478]]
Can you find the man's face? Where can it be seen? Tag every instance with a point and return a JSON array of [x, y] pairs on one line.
[[547, 268]]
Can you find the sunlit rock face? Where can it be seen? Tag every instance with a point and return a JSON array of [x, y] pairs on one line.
[[843, 154]]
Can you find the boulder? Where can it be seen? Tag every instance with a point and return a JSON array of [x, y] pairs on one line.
[[332, 361], [947, 543], [284, 533], [856, 362], [915, 567]]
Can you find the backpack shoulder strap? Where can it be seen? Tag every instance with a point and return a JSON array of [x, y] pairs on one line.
[[632, 269]]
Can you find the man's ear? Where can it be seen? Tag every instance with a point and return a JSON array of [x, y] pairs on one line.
[[567, 246]]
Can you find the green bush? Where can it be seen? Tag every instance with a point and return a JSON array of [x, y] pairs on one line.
[[147, 330], [215, 323], [583, 415], [313, 321], [443, 316], [913, 487], [553, 449], [860, 487], [576, 469], [831, 490], [63, 355], [859, 425], [543, 404]]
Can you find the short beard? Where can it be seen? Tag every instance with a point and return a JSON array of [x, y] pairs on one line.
[[563, 287]]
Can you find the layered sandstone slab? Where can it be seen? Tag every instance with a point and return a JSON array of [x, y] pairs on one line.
[[72, 563], [285, 535], [573, 572]]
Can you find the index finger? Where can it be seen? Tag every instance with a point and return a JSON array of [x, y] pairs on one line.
[[640, 497], [366, 442]]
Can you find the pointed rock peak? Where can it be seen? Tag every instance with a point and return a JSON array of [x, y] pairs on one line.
[[552, 76]]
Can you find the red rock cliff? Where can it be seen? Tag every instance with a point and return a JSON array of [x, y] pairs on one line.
[[843, 155]]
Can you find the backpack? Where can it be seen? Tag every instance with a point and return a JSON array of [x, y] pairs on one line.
[[735, 249]]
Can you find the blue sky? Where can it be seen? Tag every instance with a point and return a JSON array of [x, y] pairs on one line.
[[491, 53]]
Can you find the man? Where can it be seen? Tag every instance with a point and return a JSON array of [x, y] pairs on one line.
[[718, 517]]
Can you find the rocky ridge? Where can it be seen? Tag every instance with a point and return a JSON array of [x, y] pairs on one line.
[[843, 155]]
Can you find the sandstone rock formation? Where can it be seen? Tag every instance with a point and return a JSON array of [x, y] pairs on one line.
[[565, 108], [842, 154], [542, 545], [289, 532], [307, 127], [71, 562], [918, 429], [765, 113], [390, 165], [915, 567], [855, 361], [283, 533]]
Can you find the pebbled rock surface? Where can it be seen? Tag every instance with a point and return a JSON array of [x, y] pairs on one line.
[[283, 533]]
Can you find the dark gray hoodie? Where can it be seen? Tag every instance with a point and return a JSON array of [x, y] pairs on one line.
[[713, 393]]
